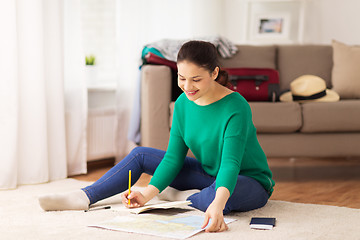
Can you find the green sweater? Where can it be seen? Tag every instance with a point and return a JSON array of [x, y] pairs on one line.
[[223, 139]]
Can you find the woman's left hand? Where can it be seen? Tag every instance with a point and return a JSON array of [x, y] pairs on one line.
[[217, 223]]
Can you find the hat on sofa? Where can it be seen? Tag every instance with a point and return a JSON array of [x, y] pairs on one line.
[[309, 88]]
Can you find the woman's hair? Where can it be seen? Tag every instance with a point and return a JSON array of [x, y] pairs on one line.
[[203, 54]]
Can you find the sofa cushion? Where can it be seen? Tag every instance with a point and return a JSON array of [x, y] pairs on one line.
[[342, 116], [346, 71], [279, 117], [271, 117], [297, 60], [251, 57]]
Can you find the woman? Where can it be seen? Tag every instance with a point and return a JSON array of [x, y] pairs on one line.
[[230, 168]]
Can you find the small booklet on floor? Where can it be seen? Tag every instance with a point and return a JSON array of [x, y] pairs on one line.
[[262, 223], [166, 205]]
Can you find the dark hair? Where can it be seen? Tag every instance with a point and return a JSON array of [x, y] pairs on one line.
[[203, 54]]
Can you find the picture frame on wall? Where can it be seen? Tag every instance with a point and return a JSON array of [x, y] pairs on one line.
[[271, 25], [275, 22], [274, 26]]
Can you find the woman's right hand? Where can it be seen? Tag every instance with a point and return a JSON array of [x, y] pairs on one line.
[[137, 199]]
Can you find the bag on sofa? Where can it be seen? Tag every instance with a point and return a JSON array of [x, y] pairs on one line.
[[255, 84], [152, 58]]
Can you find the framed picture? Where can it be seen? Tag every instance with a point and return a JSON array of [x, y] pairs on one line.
[[271, 26], [274, 22]]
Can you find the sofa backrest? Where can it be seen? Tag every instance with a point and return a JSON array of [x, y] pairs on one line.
[[291, 61], [296, 60], [251, 57]]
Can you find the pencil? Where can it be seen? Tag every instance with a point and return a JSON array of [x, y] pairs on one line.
[[97, 208], [129, 186]]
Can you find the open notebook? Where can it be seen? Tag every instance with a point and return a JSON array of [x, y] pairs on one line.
[[166, 205]]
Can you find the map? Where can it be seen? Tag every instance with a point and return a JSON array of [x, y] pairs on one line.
[[179, 226]]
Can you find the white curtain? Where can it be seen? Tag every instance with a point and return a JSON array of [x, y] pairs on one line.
[[34, 147], [76, 108]]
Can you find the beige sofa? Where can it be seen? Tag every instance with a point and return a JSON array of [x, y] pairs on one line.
[[285, 129]]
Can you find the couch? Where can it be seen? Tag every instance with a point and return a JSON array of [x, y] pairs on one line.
[[285, 129]]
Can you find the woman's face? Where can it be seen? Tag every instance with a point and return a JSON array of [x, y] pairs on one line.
[[196, 82]]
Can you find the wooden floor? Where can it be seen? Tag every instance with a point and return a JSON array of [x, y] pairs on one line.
[[304, 180]]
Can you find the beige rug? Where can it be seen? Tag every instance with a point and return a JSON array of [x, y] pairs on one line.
[[22, 218]]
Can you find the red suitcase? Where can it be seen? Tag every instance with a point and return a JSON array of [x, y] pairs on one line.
[[255, 84], [152, 58]]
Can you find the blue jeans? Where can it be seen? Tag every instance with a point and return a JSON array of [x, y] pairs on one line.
[[248, 194]]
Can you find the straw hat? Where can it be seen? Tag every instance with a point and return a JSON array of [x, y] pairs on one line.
[[309, 88]]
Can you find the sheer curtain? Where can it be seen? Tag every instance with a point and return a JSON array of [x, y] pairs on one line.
[[34, 147], [76, 97]]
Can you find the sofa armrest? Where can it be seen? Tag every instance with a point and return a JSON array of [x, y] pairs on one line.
[[155, 100]]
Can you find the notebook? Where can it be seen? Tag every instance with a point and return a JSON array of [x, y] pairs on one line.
[[166, 205]]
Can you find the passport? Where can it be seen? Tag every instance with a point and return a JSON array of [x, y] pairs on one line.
[[262, 223]]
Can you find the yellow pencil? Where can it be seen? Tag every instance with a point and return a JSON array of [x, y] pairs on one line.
[[129, 186]]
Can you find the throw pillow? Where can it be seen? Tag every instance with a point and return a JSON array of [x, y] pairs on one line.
[[346, 70]]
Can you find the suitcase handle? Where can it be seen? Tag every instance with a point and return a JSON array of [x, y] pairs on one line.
[[258, 79]]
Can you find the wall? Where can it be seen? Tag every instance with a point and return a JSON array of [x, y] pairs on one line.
[[333, 19], [98, 19], [324, 20], [235, 19], [142, 21]]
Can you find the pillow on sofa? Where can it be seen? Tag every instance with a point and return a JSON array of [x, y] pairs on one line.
[[346, 71]]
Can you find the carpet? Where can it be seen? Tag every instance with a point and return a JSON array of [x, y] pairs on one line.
[[22, 218]]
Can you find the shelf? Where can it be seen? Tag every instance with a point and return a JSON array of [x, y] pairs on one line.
[[107, 87]]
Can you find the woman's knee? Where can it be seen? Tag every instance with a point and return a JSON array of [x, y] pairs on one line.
[[147, 151], [139, 150], [147, 158]]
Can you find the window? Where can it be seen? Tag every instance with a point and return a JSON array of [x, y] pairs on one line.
[[99, 36]]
